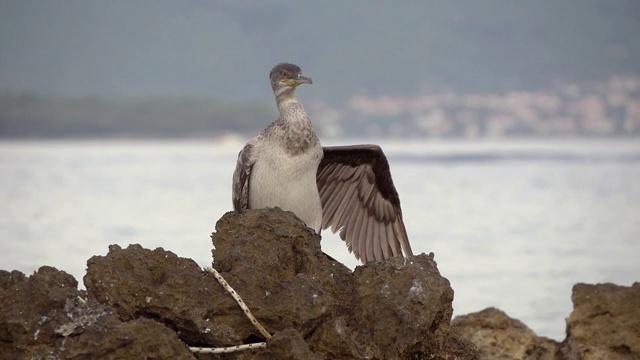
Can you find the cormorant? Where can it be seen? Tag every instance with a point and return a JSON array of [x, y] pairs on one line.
[[347, 188]]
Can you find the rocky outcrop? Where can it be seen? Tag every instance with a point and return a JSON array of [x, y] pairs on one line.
[[397, 309], [142, 303], [152, 304], [604, 325], [500, 337], [44, 316]]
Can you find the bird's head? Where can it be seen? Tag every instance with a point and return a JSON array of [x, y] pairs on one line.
[[286, 77]]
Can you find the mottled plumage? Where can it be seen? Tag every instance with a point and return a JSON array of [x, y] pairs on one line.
[[347, 188]]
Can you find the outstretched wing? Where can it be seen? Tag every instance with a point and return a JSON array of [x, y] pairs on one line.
[[359, 199], [241, 177]]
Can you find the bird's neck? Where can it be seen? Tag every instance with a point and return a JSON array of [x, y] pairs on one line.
[[292, 114], [296, 129], [290, 108]]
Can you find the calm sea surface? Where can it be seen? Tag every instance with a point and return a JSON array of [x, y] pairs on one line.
[[512, 224]]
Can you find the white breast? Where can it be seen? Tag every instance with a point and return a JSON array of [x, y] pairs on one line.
[[288, 182]]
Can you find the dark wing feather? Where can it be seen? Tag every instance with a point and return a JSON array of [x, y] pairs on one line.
[[359, 200], [241, 177]]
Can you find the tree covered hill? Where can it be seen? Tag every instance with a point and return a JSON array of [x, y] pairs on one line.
[[26, 116], [178, 68]]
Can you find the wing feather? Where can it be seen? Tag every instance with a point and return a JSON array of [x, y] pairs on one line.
[[349, 227], [387, 252], [395, 245], [361, 235], [341, 216], [335, 204], [241, 179], [360, 201], [377, 243]]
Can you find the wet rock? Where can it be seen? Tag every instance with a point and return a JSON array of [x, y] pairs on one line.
[[604, 323], [498, 336]]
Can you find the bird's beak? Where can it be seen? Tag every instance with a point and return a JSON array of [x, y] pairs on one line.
[[298, 81], [303, 80]]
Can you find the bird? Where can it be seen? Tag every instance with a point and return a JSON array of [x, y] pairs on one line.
[[346, 188]]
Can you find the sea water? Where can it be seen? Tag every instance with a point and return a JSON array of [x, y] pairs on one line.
[[512, 224]]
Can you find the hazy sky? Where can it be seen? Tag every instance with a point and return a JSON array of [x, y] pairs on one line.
[[226, 49], [121, 47]]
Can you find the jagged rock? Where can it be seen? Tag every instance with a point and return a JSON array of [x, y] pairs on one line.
[[157, 284], [402, 307], [498, 336], [604, 323], [150, 303], [288, 344], [396, 309], [32, 308], [109, 338], [144, 303], [276, 264], [45, 317]]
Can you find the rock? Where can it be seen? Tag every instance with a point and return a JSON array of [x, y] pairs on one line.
[[142, 303], [288, 344], [498, 336], [109, 338], [159, 285], [44, 316], [275, 263], [396, 309], [604, 323], [402, 307], [32, 308]]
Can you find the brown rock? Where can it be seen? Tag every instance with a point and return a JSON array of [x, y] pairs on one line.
[[141, 303], [110, 338], [604, 323], [288, 344], [43, 316], [32, 308], [275, 263], [396, 309], [498, 336], [402, 307], [157, 284]]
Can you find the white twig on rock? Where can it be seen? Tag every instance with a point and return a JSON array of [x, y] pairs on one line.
[[247, 313], [241, 303], [229, 349]]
